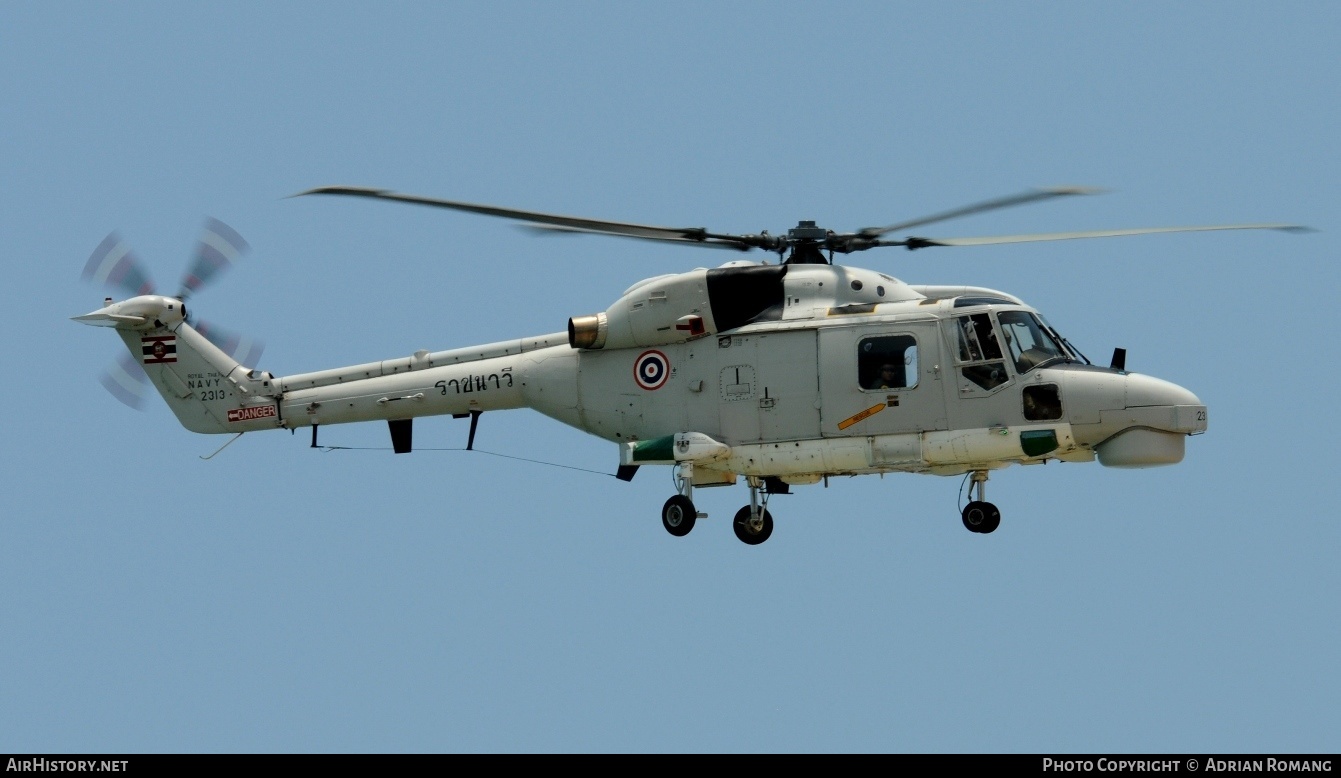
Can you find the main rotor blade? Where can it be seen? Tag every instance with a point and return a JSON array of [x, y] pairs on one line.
[[573, 222], [113, 264], [918, 243], [712, 243], [1033, 195], [220, 248]]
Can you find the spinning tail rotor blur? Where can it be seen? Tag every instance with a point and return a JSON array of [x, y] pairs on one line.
[[114, 265]]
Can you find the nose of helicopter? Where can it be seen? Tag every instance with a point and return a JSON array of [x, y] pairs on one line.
[[1143, 391], [1133, 420], [1152, 429]]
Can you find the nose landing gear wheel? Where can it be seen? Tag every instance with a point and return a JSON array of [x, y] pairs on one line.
[[752, 532], [981, 517], [678, 515]]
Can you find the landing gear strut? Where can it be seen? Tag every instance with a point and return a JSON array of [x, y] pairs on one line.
[[980, 515], [753, 523], [679, 514]]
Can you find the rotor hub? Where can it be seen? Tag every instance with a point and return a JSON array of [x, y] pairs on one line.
[[806, 230]]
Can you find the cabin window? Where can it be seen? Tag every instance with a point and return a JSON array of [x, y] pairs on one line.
[[977, 345], [1027, 340], [887, 362]]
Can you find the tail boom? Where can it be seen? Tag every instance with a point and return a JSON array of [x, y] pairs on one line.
[[211, 392], [477, 378]]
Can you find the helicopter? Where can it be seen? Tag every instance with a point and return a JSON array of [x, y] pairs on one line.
[[782, 373]]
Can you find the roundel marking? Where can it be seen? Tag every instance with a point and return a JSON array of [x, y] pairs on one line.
[[651, 369]]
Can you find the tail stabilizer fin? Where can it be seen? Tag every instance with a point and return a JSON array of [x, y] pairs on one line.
[[208, 390]]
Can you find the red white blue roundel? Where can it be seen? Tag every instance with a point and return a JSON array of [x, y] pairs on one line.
[[651, 369]]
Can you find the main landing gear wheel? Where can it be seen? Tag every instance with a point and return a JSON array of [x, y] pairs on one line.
[[753, 532], [981, 517], [678, 515]]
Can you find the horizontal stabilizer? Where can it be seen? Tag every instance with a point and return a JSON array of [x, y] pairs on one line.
[[101, 319]]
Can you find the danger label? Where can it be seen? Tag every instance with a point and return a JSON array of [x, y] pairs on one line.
[[255, 412], [866, 414]]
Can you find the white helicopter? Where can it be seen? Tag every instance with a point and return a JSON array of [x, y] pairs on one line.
[[783, 373]]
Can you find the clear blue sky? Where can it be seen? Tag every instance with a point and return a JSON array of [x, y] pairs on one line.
[[277, 598]]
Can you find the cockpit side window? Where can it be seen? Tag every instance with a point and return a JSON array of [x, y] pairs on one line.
[[977, 343], [1027, 340], [1042, 402], [887, 362]]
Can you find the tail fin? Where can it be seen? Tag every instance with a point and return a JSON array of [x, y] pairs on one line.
[[208, 390]]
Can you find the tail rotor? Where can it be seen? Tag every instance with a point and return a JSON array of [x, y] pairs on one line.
[[113, 264], [126, 380], [219, 249], [240, 347]]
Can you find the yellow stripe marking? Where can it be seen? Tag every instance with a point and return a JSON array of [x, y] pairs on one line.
[[866, 414]]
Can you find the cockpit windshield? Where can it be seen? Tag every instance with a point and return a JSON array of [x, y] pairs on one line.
[[1030, 342]]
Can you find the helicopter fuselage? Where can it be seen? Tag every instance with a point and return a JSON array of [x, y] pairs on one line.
[[824, 370]]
